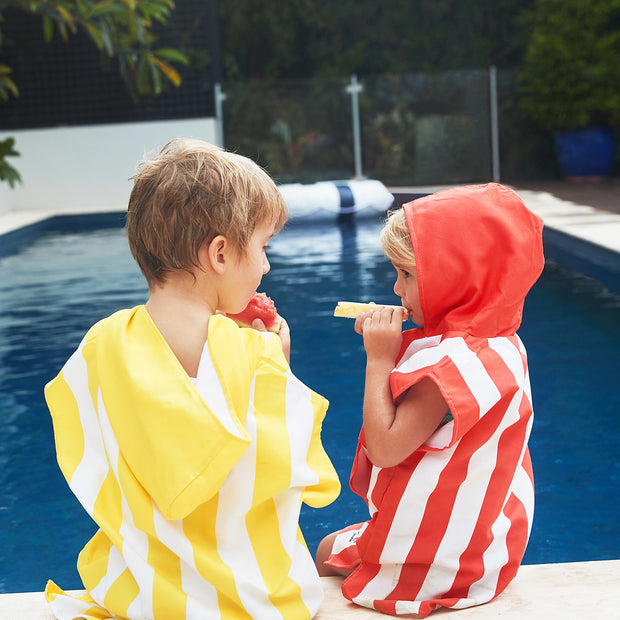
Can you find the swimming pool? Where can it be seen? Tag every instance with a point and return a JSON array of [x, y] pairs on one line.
[[54, 287]]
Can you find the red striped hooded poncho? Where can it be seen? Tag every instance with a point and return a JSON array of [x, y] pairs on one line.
[[449, 525]]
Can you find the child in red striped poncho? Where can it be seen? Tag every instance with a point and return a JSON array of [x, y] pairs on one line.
[[442, 460]]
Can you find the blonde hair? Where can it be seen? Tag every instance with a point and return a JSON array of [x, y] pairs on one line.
[[395, 239], [188, 194]]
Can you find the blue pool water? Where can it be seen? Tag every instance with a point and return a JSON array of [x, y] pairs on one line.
[[52, 289]]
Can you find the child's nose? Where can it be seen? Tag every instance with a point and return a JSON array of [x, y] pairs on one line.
[[266, 266]]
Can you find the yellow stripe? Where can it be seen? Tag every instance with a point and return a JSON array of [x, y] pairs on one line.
[[273, 475], [169, 600], [328, 488], [107, 510], [200, 527], [67, 426], [123, 589], [93, 560]]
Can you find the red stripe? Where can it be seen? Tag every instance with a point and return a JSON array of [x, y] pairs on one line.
[[386, 607], [509, 450], [516, 541], [357, 580]]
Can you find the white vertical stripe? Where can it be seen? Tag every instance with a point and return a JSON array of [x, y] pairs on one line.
[[407, 607], [68, 608], [202, 601], [524, 491], [93, 468], [135, 547], [233, 541], [467, 363], [526, 386], [299, 423], [511, 356], [380, 585], [406, 522], [303, 570], [212, 392], [116, 566], [371, 486], [422, 343], [494, 558]]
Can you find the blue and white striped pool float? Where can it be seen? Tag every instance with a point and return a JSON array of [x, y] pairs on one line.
[[335, 197]]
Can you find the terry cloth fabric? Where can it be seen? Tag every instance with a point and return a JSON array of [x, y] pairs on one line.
[[196, 488], [449, 525]]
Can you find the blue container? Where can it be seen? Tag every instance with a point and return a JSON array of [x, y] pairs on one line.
[[587, 152]]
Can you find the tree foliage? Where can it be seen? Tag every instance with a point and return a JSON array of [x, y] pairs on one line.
[[302, 38], [122, 29], [571, 72], [7, 172]]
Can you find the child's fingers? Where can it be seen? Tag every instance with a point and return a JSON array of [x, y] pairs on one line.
[[375, 319], [398, 316], [361, 319], [283, 328], [384, 316], [258, 325]]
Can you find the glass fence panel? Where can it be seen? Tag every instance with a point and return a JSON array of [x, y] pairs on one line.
[[300, 130], [416, 129], [426, 129]]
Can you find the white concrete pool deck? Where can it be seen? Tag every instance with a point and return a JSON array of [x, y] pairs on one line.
[[584, 222], [569, 591]]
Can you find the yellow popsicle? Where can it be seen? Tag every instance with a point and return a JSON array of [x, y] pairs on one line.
[[352, 309]]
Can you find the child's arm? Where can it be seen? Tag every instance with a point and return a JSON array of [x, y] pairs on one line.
[[393, 432]]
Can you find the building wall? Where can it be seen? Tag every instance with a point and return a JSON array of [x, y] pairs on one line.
[[88, 167]]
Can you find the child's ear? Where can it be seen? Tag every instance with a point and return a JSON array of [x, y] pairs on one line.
[[215, 254]]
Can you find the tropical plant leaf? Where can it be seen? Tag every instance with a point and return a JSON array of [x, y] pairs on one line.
[[168, 71], [7, 172], [66, 16], [7, 85], [95, 34], [48, 28], [104, 8], [155, 74], [171, 54]]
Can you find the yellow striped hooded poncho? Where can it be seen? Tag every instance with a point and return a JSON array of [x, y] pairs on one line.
[[196, 485]]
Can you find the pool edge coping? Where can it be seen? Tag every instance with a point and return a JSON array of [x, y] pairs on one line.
[[572, 590]]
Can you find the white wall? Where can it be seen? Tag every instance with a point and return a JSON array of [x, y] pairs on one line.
[[87, 168]]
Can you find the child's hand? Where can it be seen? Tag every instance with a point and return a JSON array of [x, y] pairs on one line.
[[382, 333], [283, 332]]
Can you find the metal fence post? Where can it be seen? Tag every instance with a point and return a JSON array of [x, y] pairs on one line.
[[219, 113], [354, 89], [494, 122]]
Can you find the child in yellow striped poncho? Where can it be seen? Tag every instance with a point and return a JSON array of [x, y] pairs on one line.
[[185, 437]]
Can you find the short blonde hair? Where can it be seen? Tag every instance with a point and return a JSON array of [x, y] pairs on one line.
[[396, 241], [188, 194]]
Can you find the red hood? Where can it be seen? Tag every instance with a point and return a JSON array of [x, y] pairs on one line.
[[478, 252]]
